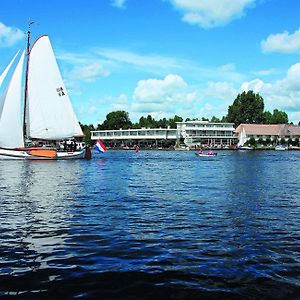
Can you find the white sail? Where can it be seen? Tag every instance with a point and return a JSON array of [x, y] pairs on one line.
[[242, 137], [51, 115], [3, 75], [11, 124]]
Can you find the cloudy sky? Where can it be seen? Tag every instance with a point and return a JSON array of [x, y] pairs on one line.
[[165, 57]]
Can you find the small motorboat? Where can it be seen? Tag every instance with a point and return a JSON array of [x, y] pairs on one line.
[[244, 148], [209, 154]]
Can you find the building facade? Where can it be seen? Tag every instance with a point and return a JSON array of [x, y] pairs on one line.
[[144, 137], [206, 134], [193, 134], [271, 134]]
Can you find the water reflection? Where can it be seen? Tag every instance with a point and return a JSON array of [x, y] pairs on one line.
[[36, 203]]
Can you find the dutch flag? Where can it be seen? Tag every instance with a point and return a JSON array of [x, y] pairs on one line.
[[100, 146]]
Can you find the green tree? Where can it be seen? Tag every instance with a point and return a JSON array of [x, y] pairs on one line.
[[143, 121], [224, 119], [282, 141], [147, 122], [233, 115], [268, 117], [248, 107], [260, 141], [279, 117], [116, 120], [163, 123], [189, 119], [215, 120], [172, 121], [268, 141], [86, 129], [251, 142]]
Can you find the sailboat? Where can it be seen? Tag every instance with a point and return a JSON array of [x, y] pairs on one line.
[[242, 140], [45, 115]]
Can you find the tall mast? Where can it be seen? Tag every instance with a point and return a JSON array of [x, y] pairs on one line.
[[26, 81]]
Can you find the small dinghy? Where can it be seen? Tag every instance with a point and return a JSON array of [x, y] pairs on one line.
[[209, 154]]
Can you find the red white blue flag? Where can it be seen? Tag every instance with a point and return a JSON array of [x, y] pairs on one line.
[[100, 146]]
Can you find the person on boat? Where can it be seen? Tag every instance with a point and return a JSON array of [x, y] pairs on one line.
[[210, 152], [200, 151]]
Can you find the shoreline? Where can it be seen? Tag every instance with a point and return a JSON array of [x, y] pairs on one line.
[[205, 149]]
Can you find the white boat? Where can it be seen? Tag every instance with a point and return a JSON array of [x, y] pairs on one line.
[[294, 147], [280, 147], [45, 114], [245, 148], [182, 148], [201, 154]]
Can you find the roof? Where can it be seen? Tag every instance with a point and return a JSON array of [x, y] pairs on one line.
[[269, 129], [205, 122], [260, 129], [291, 130]]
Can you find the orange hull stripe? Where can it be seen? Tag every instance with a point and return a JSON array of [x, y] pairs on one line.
[[43, 153]]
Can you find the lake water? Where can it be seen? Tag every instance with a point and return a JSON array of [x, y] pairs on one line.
[[152, 225]]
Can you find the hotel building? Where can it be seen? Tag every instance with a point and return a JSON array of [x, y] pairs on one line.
[[190, 133]]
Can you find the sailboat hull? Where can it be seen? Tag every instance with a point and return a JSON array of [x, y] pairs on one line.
[[39, 154], [12, 154]]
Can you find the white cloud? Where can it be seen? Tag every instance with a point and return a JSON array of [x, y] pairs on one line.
[[157, 90], [283, 94], [120, 103], [146, 62], [266, 72], [255, 85], [88, 72], [119, 3], [97, 108], [161, 95], [220, 90], [82, 68], [282, 42], [211, 13], [173, 95], [10, 35], [161, 65]]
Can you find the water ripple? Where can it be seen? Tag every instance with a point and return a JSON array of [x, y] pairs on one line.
[[169, 225]]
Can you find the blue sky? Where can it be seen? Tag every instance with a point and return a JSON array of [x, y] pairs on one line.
[[165, 57]]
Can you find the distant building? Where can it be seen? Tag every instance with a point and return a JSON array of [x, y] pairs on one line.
[[145, 137], [204, 133], [190, 133], [272, 132]]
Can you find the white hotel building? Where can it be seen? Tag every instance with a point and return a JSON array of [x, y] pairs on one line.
[[191, 133], [204, 133]]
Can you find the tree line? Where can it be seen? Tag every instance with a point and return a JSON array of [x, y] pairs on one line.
[[248, 107]]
